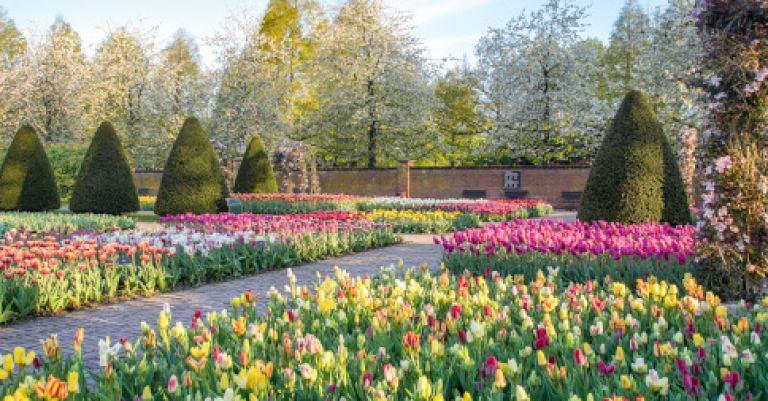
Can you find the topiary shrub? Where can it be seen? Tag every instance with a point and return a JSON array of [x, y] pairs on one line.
[[255, 174], [192, 178], [27, 182], [104, 183], [676, 206], [635, 177]]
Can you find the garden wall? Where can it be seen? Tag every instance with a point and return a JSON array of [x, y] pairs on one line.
[[560, 185]]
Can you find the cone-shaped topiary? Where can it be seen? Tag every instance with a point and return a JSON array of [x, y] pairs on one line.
[[635, 177], [27, 182], [192, 179], [104, 183], [255, 174]]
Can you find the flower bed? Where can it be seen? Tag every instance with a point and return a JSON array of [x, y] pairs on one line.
[[50, 273], [430, 222], [147, 203], [427, 338], [295, 203], [62, 222], [585, 251], [401, 221], [486, 210]]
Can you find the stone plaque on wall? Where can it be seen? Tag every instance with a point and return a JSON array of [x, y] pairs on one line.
[[512, 179]]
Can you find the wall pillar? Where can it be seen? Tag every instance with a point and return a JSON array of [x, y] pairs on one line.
[[404, 178]]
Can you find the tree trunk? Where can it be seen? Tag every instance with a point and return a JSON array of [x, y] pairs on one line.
[[372, 134], [547, 106], [373, 129], [453, 150]]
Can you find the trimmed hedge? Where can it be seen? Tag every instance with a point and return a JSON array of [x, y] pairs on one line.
[[635, 177], [192, 178], [105, 183], [255, 174], [27, 182]]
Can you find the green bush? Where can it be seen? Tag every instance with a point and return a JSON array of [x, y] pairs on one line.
[[27, 182], [105, 183], [192, 178], [66, 159], [255, 174], [676, 208], [635, 177]]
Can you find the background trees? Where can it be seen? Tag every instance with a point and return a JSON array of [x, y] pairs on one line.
[[371, 85], [356, 83]]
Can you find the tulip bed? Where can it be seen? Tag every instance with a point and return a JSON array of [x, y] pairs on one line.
[[486, 210], [404, 221], [294, 203], [598, 251], [147, 202], [50, 272], [62, 222], [427, 337], [430, 222]]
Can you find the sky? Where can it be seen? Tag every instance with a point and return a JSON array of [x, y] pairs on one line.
[[447, 28]]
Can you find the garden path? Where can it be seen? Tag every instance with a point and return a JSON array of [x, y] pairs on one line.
[[124, 318]]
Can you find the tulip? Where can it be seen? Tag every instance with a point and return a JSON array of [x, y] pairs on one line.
[[73, 382], [521, 394], [173, 384], [581, 359], [657, 384], [423, 388], [367, 379]]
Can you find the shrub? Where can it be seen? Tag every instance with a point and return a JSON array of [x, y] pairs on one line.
[[66, 159], [27, 182], [255, 174], [192, 179], [105, 183], [635, 177]]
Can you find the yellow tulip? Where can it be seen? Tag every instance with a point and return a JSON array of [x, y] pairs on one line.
[[224, 382], [541, 358], [619, 357], [73, 382], [423, 388], [8, 363], [626, 383], [521, 394], [146, 395], [18, 355], [501, 381]]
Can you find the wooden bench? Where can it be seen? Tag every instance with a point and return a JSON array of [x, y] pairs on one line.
[[473, 194], [234, 205]]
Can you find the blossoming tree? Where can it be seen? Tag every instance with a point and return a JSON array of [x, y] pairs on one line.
[[734, 225]]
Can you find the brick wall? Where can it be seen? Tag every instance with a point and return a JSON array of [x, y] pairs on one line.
[[559, 186], [547, 183], [365, 182]]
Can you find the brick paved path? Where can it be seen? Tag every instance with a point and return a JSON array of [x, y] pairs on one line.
[[124, 318]]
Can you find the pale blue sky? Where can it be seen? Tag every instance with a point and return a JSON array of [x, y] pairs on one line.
[[446, 27]]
